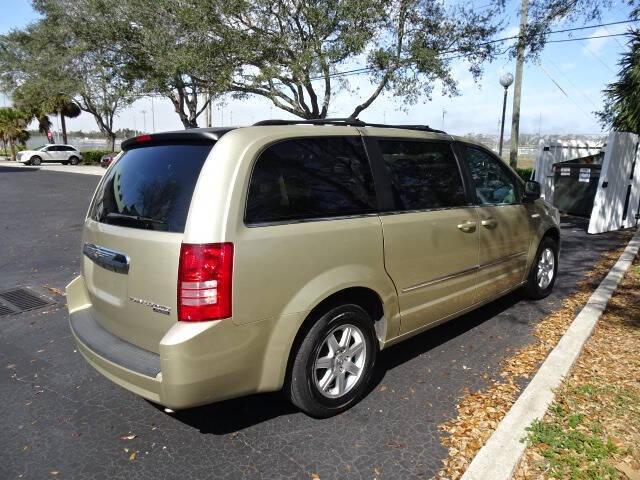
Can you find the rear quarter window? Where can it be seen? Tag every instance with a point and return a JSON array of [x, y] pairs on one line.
[[150, 188], [310, 178]]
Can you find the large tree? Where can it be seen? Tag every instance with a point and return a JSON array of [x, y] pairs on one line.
[[296, 52], [622, 97], [47, 68], [292, 52], [157, 46]]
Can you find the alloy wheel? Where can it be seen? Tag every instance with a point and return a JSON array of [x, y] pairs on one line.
[[546, 268], [340, 361]]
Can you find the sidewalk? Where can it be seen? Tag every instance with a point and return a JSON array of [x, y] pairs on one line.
[[56, 167]]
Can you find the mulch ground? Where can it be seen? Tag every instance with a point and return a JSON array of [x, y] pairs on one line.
[[592, 430], [480, 412]]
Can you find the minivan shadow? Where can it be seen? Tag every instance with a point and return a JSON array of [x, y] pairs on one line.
[[233, 415]]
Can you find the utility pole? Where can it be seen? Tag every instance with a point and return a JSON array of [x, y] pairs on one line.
[[144, 121], [517, 89]]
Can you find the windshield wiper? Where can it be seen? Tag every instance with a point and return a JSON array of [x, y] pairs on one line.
[[134, 218]]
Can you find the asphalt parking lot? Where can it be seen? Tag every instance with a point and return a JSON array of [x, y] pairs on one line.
[[63, 420]]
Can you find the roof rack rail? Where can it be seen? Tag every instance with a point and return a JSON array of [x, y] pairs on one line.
[[353, 122]]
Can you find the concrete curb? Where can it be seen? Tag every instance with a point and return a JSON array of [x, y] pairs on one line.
[[499, 457]]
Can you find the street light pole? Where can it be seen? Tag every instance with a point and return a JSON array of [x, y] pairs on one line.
[[505, 80]]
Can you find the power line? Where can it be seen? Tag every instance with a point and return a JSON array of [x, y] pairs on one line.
[[597, 57], [362, 70], [563, 91], [588, 38], [572, 84]]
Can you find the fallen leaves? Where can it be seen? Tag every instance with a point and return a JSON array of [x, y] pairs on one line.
[[629, 471], [55, 290], [479, 412]]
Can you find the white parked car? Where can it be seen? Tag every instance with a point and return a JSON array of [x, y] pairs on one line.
[[65, 154]]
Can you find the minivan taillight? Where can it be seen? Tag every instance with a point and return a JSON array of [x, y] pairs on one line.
[[204, 281]]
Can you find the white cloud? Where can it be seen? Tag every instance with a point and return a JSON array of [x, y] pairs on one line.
[[596, 45]]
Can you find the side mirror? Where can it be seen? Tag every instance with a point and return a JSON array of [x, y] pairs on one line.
[[531, 191]]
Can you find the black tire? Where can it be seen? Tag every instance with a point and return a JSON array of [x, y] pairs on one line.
[[302, 387], [533, 289], [74, 160], [35, 161]]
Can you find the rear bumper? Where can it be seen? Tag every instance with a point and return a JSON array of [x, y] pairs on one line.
[[197, 363], [146, 386]]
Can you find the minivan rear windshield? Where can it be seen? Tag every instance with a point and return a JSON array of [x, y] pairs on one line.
[[151, 187]]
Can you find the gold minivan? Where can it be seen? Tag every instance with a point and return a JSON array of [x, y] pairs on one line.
[[285, 255]]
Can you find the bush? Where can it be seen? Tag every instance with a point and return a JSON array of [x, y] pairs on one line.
[[92, 157], [525, 173]]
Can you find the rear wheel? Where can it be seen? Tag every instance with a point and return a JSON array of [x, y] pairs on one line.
[[73, 160], [35, 160], [334, 363], [544, 269]]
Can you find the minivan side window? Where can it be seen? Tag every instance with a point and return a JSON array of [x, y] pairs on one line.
[[306, 178], [493, 184], [424, 175]]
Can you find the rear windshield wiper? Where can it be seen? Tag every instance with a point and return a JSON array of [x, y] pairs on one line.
[[134, 218]]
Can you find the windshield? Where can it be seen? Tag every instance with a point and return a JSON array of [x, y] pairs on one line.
[[150, 188]]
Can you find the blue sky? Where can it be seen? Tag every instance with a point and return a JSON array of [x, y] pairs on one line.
[[581, 68]]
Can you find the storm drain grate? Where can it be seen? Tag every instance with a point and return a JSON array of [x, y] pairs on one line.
[[22, 299], [4, 310]]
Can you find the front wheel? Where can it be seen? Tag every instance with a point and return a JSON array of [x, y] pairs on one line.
[[35, 161], [334, 363], [544, 270], [74, 160]]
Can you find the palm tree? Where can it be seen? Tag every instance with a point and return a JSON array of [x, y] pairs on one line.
[[66, 108], [622, 97], [13, 125]]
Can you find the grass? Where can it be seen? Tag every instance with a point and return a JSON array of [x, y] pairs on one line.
[[573, 446]]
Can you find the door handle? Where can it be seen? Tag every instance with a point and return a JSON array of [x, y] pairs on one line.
[[467, 226], [106, 258], [489, 223]]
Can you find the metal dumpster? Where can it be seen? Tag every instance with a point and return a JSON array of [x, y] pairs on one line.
[[576, 183]]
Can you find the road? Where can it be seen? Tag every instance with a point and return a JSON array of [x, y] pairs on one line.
[[63, 420]]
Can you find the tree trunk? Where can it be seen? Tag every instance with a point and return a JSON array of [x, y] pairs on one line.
[[4, 146], [64, 128], [13, 149], [112, 141]]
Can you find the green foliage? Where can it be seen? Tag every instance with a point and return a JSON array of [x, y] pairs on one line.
[[48, 68], [525, 173], [92, 157], [288, 51], [13, 127], [622, 98]]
